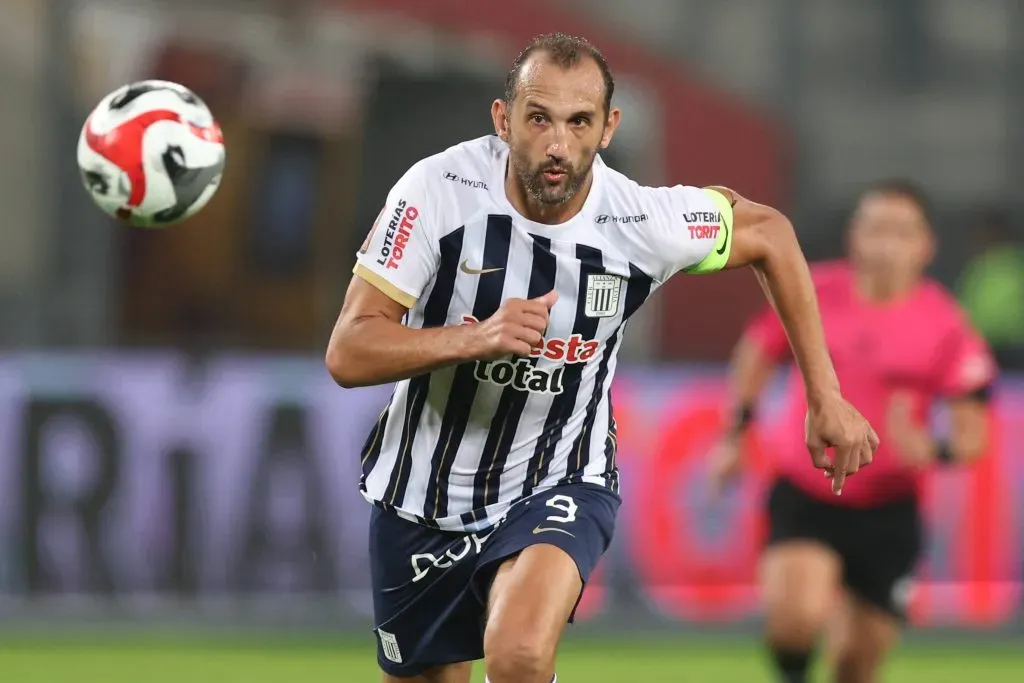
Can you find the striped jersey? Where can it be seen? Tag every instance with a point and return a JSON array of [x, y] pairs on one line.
[[453, 449]]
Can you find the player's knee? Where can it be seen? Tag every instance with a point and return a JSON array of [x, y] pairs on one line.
[[513, 664], [517, 656]]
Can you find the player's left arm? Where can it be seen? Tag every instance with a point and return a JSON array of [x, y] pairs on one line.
[[752, 234], [720, 230]]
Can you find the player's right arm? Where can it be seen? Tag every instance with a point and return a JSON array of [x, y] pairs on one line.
[[371, 345]]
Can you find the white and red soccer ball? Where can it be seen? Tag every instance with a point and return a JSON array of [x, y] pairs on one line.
[[151, 154]]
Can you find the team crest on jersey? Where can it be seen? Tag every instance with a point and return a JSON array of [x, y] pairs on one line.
[[602, 295]]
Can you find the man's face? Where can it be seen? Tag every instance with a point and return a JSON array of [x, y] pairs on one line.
[[890, 236], [555, 127]]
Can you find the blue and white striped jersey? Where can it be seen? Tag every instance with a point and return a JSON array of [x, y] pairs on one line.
[[455, 448]]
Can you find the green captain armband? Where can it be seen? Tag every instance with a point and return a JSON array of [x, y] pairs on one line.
[[719, 254]]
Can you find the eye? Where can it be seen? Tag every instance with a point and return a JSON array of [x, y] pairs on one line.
[[581, 121], [538, 119]]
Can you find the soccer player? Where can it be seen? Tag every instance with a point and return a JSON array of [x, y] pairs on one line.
[[900, 344], [494, 289]]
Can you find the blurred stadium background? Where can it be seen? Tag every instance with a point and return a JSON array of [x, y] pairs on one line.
[[178, 474]]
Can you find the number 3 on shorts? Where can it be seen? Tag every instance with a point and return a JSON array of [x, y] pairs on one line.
[[568, 507]]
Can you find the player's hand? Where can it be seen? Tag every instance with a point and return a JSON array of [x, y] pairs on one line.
[[911, 442], [726, 463], [516, 328], [836, 424]]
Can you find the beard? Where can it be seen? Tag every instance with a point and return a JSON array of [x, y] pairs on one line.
[[544, 191]]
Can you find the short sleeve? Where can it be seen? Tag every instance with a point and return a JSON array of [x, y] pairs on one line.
[[966, 364], [767, 332], [400, 254], [694, 230]]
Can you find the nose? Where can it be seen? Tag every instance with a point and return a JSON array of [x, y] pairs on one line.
[[557, 147]]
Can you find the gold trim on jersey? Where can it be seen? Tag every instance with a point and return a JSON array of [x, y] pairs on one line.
[[378, 281]]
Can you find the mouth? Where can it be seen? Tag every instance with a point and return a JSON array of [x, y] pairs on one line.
[[554, 175]]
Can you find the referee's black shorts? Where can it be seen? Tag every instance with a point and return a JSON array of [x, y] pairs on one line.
[[879, 546]]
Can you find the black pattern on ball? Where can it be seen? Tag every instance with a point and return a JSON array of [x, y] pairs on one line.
[[137, 90], [189, 183], [96, 182]]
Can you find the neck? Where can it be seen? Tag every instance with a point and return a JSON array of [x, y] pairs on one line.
[[880, 289], [539, 212]]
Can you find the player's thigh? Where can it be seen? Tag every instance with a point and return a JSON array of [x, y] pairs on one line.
[[448, 673], [427, 620], [537, 562], [800, 570], [531, 600], [859, 639]]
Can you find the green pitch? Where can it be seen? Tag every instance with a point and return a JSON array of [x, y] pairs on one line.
[[175, 660]]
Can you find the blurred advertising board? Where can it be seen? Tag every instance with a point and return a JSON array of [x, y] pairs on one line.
[[134, 477]]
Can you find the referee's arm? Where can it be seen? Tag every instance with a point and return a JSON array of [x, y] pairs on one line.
[[965, 376], [968, 427], [751, 367]]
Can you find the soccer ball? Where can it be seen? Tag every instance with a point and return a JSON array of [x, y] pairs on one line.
[[151, 154]]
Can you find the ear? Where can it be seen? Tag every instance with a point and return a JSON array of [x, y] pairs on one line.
[[614, 116], [499, 115]]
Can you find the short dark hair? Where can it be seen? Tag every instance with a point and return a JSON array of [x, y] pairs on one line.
[[902, 187], [566, 51]]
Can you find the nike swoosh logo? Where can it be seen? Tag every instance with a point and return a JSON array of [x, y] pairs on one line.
[[721, 250], [464, 267], [542, 529]]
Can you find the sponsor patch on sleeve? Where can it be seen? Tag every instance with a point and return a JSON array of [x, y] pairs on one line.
[[713, 226]]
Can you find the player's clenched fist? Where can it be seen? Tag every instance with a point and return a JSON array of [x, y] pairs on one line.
[[516, 328]]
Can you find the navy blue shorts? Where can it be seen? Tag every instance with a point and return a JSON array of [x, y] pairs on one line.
[[430, 587]]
